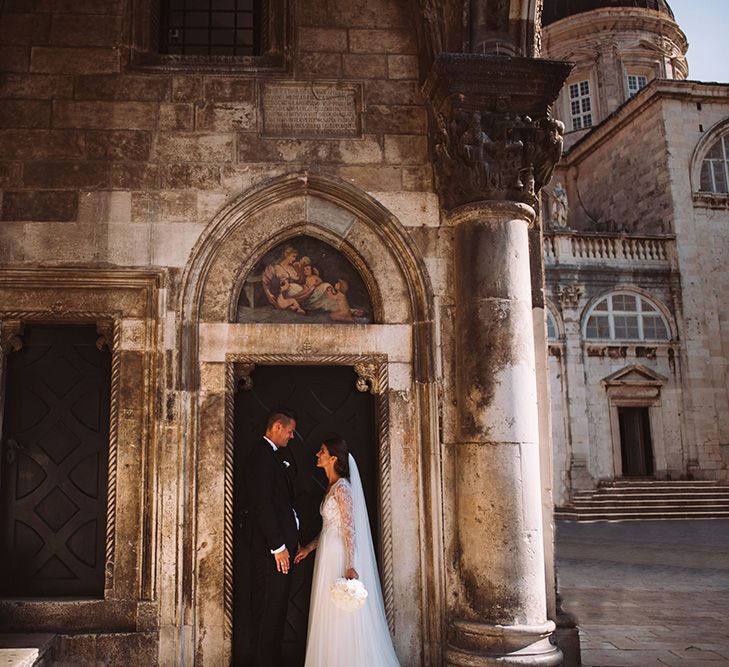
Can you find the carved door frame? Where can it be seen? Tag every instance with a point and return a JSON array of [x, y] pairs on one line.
[[118, 302], [372, 377]]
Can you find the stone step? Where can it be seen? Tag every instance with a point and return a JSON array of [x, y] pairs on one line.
[[24, 650], [631, 500]]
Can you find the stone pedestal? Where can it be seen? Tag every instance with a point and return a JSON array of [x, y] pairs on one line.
[[501, 616]]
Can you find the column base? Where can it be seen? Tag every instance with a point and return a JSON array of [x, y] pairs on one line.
[[480, 645]]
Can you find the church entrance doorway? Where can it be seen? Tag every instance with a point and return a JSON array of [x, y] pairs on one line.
[[326, 401], [54, 464], [635, 442]]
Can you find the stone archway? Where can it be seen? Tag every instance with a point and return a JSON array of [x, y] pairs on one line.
[[401, 342]]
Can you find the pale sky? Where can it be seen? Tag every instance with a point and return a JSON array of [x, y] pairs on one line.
[[706, 24]]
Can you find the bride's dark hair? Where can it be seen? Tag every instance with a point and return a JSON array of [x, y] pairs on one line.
[[337, 446]]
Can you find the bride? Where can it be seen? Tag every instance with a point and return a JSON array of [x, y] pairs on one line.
[[339, 637]]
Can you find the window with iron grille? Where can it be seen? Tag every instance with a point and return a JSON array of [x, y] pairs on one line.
[[210, 27], [580, 105]]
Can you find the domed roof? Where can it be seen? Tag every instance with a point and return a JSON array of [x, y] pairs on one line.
[[554, 10]]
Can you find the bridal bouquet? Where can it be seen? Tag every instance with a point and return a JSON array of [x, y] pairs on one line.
[[348, 594]]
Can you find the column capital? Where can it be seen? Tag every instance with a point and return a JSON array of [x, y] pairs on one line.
[[494, 135]]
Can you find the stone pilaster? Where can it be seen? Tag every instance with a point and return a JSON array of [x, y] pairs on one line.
[[495, 146]]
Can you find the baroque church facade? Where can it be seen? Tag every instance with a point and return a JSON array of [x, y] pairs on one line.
[[211, 208], [635, 239]]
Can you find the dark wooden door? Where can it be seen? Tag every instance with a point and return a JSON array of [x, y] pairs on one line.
[[326, 401], [635, 442], [54, 464]]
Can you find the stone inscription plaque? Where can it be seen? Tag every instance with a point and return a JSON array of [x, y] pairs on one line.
[[310, 110]]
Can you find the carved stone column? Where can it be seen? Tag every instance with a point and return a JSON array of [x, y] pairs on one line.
[[495, 147]]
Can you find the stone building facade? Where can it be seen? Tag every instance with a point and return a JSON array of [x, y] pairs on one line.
[[634, 253], [161, 165]]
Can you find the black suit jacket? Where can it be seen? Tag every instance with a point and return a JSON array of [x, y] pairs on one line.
[[270, 501]]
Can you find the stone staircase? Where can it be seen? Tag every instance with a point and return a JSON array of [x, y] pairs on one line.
[[635, 500]]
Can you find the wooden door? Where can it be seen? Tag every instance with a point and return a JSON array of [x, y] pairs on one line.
[[326, 401], [54, 464], [635, 442]]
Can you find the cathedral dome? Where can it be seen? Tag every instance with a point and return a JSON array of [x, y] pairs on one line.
[[555, 10]]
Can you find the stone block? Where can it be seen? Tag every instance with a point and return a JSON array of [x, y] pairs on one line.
[[319, 65], [26, 29], [174, 116], [105, 115], [67, 60], [402, 67], [127, 244], [406, 149], [412, 209], [370, 14], [393, 92], [10, 175], [118, 145], [105, 207], [122, 87], [172, 243], [229, 89], [36, 86], [77, 243], [187, 88], [381, 41], [25, 113], [323, 39], [391, 119], [134, 176], [164, 207], [44, 205], [113, 7], [90, 30], [66, 174], [15, 58], [373, 179], [41, 144], [176, 147], [226, 117], [418, 178], [184, 176], [364, 66], [12, 242]]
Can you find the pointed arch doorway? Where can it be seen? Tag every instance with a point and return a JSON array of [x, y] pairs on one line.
[[326, 400]]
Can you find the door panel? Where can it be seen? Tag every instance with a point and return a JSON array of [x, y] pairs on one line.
[[326, 401], [54, 464], [635, 442]]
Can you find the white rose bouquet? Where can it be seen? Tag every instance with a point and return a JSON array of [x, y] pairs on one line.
[[349, 594]]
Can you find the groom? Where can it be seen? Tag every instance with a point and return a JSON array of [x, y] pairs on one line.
[[274, 536]]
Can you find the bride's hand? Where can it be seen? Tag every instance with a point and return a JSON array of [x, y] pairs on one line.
[[351, 573], [302, 553]]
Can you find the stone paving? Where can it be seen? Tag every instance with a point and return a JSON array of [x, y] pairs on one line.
[[647, 593]]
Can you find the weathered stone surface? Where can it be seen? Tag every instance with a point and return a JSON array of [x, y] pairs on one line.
[[395, 119], [75, 30], [36, 86], [365, 66], [402, 67], [50, 205], [24, 29], [322, 39], [239, 117], [164, 206], [15, 58], [321, 65], [187, 88], [373, 179], [176, 117], [112, 7], [126, 87], [118, 145], [178, 147], [229, 89], [41, 144], [184, 176], [393, 92], [406, 149], [25, 113], [105, 115], [381, 41], [134, 176], [66, 174], [9, 175], [67, 60]]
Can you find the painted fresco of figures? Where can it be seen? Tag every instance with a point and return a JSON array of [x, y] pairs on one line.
[[304, 280]]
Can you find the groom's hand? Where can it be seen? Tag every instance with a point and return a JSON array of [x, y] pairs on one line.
[[282, 561]]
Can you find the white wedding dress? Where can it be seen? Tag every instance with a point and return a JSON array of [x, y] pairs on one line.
[[337, 637]]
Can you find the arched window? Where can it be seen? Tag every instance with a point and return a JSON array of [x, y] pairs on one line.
[[625, 316], [552, 328], [715, 167]]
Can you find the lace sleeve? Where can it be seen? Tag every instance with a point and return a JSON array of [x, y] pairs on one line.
[[343, 496]]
